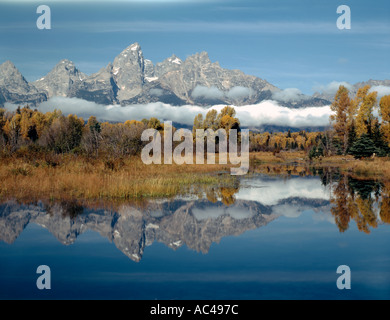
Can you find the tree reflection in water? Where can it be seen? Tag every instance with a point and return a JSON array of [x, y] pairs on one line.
[[364, 201]]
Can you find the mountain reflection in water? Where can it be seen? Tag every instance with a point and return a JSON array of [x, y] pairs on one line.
[[198, 223]]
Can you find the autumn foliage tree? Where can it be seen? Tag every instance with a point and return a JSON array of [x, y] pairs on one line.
[[385, 114], [225, 119], [54, 132], [214, 121], [64, 134], [342, 112], [357, 130], [365, 102], [92, 137], [122, 139]]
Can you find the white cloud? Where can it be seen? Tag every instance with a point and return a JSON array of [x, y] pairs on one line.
[[207, 93], [289, 198], [331, 88], [269, 112], [271, 192], [238, 93], [235, 93], [266, 112], [289, 94], [215, 212], [10, 107], [382, 90]]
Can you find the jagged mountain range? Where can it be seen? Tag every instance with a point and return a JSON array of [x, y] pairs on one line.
[[196, 224], [132, 79]]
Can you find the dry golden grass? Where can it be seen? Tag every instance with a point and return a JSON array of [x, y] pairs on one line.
[[364, 168], [298, 163], [75, 177], [378, 167], [281, 157]]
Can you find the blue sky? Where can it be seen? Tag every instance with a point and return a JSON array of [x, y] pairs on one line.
[[290, 43]]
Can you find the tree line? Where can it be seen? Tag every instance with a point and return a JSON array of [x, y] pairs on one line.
[[26, 130], [264, 141], [361, 125]]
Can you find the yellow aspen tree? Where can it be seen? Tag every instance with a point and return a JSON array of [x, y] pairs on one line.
[[226, 111], [210, 122], [227, 122], [27, 126], [341, 108], [12, 130], [51, 116], [384, 110], [265, 139], [282, 141], [365, 102], [39, 121]]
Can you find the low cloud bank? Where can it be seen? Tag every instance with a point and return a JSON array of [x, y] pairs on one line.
[[267, 112], [289, 95], [382, 91], [333, 87], [235, 93]]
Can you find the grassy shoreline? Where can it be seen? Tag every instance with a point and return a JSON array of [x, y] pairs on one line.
[[70, 176], [376, 168], [67, 177]]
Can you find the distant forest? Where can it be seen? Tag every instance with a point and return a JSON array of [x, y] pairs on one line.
[[360, 127]]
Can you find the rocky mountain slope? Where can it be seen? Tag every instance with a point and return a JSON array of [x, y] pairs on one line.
[[15, 89], [132, 79], [61, 80]]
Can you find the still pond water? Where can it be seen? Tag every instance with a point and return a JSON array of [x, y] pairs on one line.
[[268, 238]]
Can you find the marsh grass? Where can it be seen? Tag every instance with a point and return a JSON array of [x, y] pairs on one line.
[[298, 163], [54, 177], [378, 167], [77, 177]]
